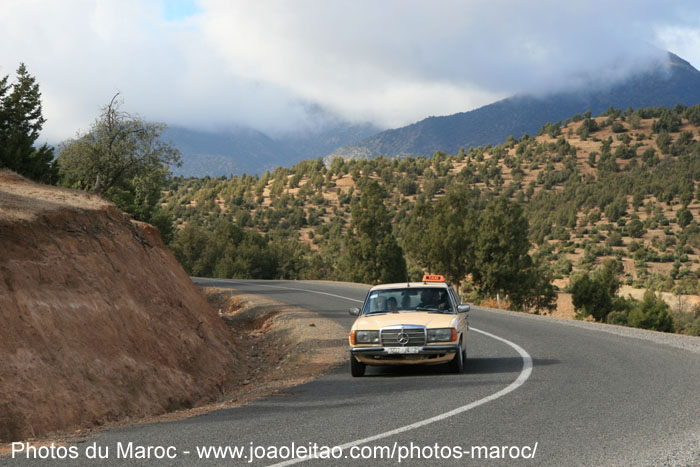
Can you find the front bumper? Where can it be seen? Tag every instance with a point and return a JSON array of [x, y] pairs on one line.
[[426, 354]]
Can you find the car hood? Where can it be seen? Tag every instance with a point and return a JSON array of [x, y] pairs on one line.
[[429, 320]]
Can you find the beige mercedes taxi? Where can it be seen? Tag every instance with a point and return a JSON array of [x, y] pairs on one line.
[[410, 323]]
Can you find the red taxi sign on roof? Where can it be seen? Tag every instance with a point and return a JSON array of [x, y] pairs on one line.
[[433, 278]]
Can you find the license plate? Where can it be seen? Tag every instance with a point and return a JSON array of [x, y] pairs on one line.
[[402, 349]]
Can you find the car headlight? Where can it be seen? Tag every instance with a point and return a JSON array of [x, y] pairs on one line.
[[442, 335], [367, 337]]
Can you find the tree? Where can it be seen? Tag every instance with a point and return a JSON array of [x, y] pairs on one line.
[[440, 236], [635, 228], [663, 141], [122, 158], [188, 246], [651, 313], [587, 127], [614, 239], [693, 114], [669, 120], [685, 217], [540, 291], [372, 254], [21, 121], [501, 260], [595, 295], [590, 298], [231, 252], [607, 276], [163, 221], [418, 240]]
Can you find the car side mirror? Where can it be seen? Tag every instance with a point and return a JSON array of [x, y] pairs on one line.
[[355, 311], [463, 308]]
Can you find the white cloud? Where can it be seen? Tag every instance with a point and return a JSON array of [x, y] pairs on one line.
[[397, 61], [261, 64], [350, 58], [684, 41], [82, 52]]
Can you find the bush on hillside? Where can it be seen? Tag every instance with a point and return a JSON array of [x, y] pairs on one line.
[[651, 313]]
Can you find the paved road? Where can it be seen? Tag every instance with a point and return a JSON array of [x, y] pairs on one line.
[[591, 397]]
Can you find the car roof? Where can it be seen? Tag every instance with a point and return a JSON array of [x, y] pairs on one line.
[[410, 285]]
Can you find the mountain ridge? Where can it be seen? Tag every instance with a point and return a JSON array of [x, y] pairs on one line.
[[246, 150], [676, 83]]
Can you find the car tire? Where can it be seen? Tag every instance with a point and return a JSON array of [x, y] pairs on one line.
[[457, 363], [357, 369]]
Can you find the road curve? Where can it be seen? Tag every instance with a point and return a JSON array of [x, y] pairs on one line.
[[593, 395]]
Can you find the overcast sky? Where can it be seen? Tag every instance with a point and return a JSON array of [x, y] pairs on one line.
[[263, 64]]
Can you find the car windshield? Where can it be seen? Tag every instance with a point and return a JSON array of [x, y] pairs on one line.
[[408, 300]]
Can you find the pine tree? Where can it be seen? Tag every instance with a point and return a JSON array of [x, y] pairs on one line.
[[502, 263], [440, 236], [21, 122], [372, 254], [541, 294]]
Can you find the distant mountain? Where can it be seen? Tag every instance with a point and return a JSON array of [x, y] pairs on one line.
[[244, 150], [677, 83], [313, 144], [225, 152]]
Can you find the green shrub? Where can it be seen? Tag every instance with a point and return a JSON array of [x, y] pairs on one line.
[[595, 295], [617, 317], [685, 217], [693, 329], [635, 228], [618, 127], [651, 313], [407, 186], [614, 239]]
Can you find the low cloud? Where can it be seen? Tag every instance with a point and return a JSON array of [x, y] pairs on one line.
[[265, 64]]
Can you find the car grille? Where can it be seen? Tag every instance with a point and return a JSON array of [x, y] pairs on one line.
[[390, 336]]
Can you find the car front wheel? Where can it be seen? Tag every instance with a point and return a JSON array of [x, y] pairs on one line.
[[356, 368], [457, 363]]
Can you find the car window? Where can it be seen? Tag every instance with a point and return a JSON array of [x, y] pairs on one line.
[[408, 300]]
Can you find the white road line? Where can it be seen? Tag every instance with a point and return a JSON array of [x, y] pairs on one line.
[[519, 381]]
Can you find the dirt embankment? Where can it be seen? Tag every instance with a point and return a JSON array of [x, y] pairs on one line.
[[282, 345], [99, 321]]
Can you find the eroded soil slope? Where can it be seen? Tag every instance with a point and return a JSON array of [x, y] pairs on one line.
[[98, 320]]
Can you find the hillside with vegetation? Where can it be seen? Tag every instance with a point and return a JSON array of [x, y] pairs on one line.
[[612, 199], [668, 83]]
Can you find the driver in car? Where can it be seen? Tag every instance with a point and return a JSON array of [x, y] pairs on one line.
[[431, 299], [428, 299]]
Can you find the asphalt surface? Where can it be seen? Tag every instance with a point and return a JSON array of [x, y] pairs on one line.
[[592, 396]]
